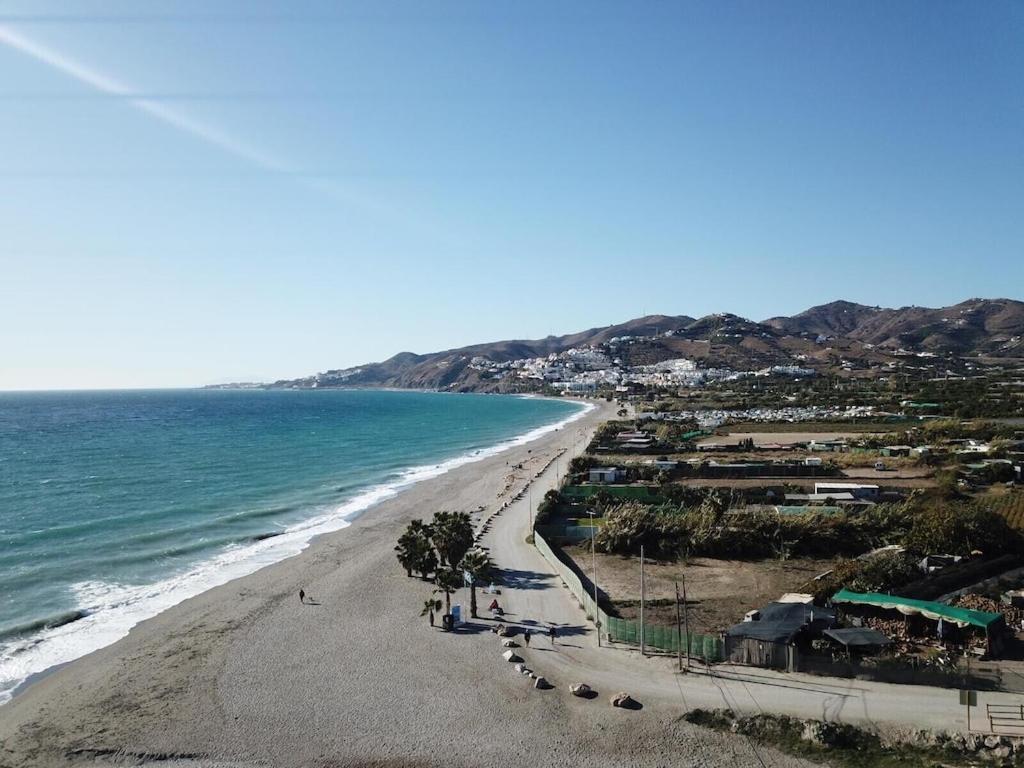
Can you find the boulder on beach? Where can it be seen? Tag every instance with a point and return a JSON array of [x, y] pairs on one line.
[[509, 644], [623, 700], [522, 669], [541, 683], [580, 689], [504, 631], [512, 657]]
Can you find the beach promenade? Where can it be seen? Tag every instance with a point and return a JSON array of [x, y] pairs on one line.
[[245, 675]]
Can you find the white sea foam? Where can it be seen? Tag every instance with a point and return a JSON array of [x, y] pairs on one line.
[[113, 609]]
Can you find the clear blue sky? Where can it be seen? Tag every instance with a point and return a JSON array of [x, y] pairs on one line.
[[195, 192]]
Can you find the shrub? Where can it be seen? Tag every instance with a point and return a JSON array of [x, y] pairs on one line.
[[961, 529], [882, 573], [629, 526]]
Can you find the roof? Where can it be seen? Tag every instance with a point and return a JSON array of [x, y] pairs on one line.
[[854, 486], [857, 637], [780, 622], [962, 617], [796, 597], [838, 496], [804, 509]]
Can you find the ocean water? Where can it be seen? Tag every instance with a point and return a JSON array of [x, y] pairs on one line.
[[117, 505]]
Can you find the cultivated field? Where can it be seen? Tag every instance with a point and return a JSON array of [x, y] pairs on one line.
[[1009, 505]]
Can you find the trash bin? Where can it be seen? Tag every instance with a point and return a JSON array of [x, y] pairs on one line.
[[448, 622]]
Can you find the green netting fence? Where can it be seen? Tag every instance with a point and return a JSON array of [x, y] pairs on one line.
[[707, 647]]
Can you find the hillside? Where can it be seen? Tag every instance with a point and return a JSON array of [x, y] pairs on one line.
[[973, 327], [837, 335]]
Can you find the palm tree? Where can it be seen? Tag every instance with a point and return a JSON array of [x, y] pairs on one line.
[[414, 550], [478, 565], [429, 607], [452, 534], [428, 563], [448, 580]]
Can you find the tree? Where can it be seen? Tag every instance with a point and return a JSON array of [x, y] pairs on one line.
[[428, 563], [452, 534], [448, 580], [430, 607], [552, 499], [478, 565], [414, 550]]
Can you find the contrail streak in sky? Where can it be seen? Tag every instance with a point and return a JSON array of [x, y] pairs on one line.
[[108, 85], [209, 134]]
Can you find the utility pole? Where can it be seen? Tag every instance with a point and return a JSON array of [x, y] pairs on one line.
[[679, 632], [593, 557], [686, 624], [642, 638]]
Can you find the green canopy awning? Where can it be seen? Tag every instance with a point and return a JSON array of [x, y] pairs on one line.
[[962, 617]]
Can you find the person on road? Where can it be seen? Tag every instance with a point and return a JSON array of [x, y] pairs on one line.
[[551, 634], [302, 596], [526, 638]]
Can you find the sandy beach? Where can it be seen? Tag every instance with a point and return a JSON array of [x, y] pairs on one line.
[[245, 675]]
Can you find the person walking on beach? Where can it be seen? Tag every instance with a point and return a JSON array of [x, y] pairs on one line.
[[551, 634], [302, 596], [526, 638]]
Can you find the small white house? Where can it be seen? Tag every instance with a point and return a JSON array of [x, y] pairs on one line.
[[813, 461], [607, 475]]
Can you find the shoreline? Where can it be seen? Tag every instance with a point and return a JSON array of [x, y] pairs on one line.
[[264, 551], [244, 676]]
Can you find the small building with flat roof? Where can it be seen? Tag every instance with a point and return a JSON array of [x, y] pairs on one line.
[[859, 490], [607, 475]]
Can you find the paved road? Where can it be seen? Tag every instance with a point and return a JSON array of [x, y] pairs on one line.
[[534, 596]]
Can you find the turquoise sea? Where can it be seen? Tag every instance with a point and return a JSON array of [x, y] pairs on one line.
[[117, 505]]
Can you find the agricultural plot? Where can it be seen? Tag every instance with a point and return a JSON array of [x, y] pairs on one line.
[[1010, 506]]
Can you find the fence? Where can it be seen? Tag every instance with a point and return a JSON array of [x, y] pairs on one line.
[[1006, 718], [706, 647], [902, 672]]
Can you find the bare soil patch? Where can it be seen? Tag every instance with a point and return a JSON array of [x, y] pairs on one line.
[[718, 592], [734, 437]]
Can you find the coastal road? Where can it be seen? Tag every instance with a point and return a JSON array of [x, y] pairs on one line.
[[533, 595]]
